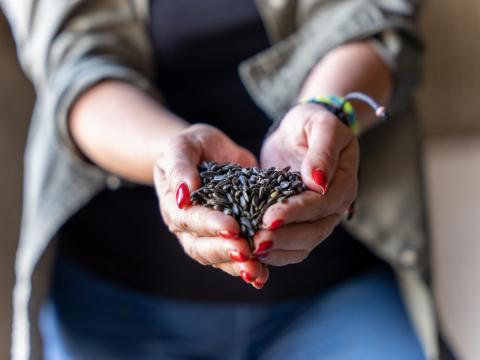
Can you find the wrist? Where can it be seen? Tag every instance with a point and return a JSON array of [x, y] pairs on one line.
[[343, 110]]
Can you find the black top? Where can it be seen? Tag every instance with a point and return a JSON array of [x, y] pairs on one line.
[[120, 234]]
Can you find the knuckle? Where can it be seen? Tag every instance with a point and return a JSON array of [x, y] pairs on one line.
[[303, 255], [344, 205], [297, 258], [195, 253], [182, 224], [354, 193], [196, 218], [172, 228], [177, 142], [329, 229], [326, 156], [167, 220], [325, 229], [173, 178], [159, 175]]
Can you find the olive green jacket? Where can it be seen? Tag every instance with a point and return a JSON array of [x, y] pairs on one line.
[[65, 47]]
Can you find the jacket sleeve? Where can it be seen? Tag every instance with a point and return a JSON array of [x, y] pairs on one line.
[[275, 76], [65, 47]]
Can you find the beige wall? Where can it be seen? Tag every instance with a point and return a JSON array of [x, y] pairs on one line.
[[16, 98], [450, 98]]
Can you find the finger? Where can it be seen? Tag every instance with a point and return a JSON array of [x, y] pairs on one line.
[[215, 250], [311, 206], [229, 152], [262, 280], [250, 271], [283, 257], [177, 171], [220, 148], [199, 220], [244, 157], [326, 140], [298, 237]]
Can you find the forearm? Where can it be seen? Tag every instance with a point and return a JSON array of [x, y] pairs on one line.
[[122, 129], [352, 67]]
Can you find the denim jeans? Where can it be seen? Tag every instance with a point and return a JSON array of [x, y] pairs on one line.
[[90, 318]]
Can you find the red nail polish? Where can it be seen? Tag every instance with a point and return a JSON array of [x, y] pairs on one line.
[[246, 276], [264, 246], [228, 235], [275, 225], [237, 256], [320, 178], [183, 196], [258, 284]]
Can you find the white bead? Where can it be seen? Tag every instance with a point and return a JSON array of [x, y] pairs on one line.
[[113, 182], [408, 257]]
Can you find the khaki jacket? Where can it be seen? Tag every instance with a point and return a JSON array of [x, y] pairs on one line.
[[65, 47]]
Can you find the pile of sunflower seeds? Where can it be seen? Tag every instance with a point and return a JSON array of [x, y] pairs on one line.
[[245, 193]]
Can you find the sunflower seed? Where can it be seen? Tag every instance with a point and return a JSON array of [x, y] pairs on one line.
[[245, 193]]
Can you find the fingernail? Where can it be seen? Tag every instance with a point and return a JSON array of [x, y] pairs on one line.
[[183, 196], [275, 224], [258, 284], [264, 246], [320, 178], [237, 256], [262, 257], [246, 276], [228, 235]]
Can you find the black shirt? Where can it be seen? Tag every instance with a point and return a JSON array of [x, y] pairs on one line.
[[120, 234]]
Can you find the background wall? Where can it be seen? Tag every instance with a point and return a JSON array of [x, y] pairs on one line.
[[451, 92], [449, 101]]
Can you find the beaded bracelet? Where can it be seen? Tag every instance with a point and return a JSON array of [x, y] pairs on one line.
[[343, 109]]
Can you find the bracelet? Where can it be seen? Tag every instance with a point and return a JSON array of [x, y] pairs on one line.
[[343, 109]]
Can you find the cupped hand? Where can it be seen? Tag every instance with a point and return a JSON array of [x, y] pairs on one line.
[[207, 236], [312, 140]]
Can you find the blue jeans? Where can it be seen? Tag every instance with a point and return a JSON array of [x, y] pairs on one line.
[[91, 318]]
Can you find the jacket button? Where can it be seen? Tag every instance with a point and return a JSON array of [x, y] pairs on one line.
[[113, 182], [408, 257]]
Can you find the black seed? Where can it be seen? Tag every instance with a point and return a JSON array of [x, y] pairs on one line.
[[245, 193], [243, 179], [243, 202], [274, 195], [235, 210], [284, 184]]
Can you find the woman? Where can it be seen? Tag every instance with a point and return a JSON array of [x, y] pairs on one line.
[[122, 286]]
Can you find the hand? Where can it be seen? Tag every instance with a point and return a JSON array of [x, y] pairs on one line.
[[314, 141], [207, 236]]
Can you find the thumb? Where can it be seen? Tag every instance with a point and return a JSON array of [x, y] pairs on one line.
[[245, 158], [177, 169], [325, 143]]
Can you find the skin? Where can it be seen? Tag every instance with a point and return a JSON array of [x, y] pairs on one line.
[[159, 148]]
